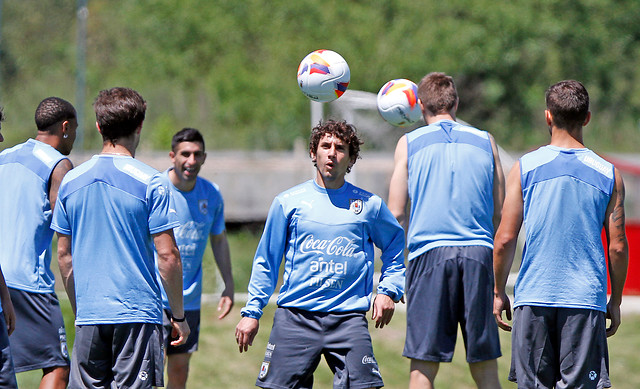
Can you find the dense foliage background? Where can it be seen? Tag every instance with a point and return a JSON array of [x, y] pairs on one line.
[[228, 67]]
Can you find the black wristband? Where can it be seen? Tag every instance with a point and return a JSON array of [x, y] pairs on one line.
[[173, 318]]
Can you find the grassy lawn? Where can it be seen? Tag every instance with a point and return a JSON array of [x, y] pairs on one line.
[[218, 364]]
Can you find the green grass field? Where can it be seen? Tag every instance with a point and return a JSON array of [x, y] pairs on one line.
[[218, 364]]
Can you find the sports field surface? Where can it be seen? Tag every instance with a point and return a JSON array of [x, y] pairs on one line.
[[218, 364]]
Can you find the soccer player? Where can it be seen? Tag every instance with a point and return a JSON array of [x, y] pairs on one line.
[[326, 228], [110, 212], [31, 173], [7, 324], [452, 174], [200, 209], [565, 194]]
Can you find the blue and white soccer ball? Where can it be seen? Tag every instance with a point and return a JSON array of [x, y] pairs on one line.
[[398, 102], [323, 75]]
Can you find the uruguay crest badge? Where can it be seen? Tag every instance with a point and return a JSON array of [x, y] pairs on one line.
[[264, 369], [356, 205], [203, 205]]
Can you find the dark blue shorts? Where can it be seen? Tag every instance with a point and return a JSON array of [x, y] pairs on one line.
[[300, 338], [559, 348], [128, 354], [447, 286], [193, 320], [7, 373], [39, 340]]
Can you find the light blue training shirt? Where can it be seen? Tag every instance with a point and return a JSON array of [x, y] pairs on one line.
[[327, 238], [201, 213], [450, 168], [25, 233], [566, 193], [111, 205]]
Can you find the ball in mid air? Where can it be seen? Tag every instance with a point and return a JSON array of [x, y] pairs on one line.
[[323, 75], [398, 102]]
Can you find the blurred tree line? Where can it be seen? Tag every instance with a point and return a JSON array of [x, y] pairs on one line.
[[228, 67]]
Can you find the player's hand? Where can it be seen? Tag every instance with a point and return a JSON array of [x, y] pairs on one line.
[[383, 309], [501, 303], [225, 305], [9, 316], [246, 330], [613, 314], [180, 332]]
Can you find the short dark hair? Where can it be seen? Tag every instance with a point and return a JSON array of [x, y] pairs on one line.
[[119, 112], [187, 134], [438, 93], [568, 102], [52, 111], [341, 130]]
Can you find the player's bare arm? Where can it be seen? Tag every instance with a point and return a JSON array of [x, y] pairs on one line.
[[7, 305], [498, 184], [222, 256], [66, 267], [399, 186], [58, 173], [246, 331], [618, 250], [170, 269], [504, 246]]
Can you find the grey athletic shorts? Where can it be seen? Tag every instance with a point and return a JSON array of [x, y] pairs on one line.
[[39, 340], [447, 286], [299, 338], [129, 354], [193, 320], [559, 348], [7, 373]]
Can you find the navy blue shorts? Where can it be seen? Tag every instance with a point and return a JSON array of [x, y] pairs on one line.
[[7, 373], [128, 354], [300, 338], [559, 348], [447, 286], [39, 340], [193, 320]]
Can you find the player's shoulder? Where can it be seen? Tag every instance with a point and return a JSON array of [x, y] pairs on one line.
[[353, 190], [298, 191], [207, 185]]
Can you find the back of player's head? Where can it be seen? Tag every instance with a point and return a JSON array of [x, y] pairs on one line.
[[568, 102], [187, 134], [438, 93], [339, 129], [51, 111], [119, 112]]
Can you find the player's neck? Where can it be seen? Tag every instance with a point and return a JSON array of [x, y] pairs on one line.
[[430, 119], [568, 139], [181, 185], [50, 139], [329, 184], [117, 149]]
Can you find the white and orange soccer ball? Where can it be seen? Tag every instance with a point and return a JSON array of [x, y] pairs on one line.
[[323, 75], [398, 102]]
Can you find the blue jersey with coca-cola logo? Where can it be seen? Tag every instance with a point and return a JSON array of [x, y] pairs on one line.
[[327, 239]]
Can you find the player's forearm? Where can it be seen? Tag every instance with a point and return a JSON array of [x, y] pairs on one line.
[[4, 291], [170, 269], [503, 252], [65, 263], [222, 256], [618, 266]]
